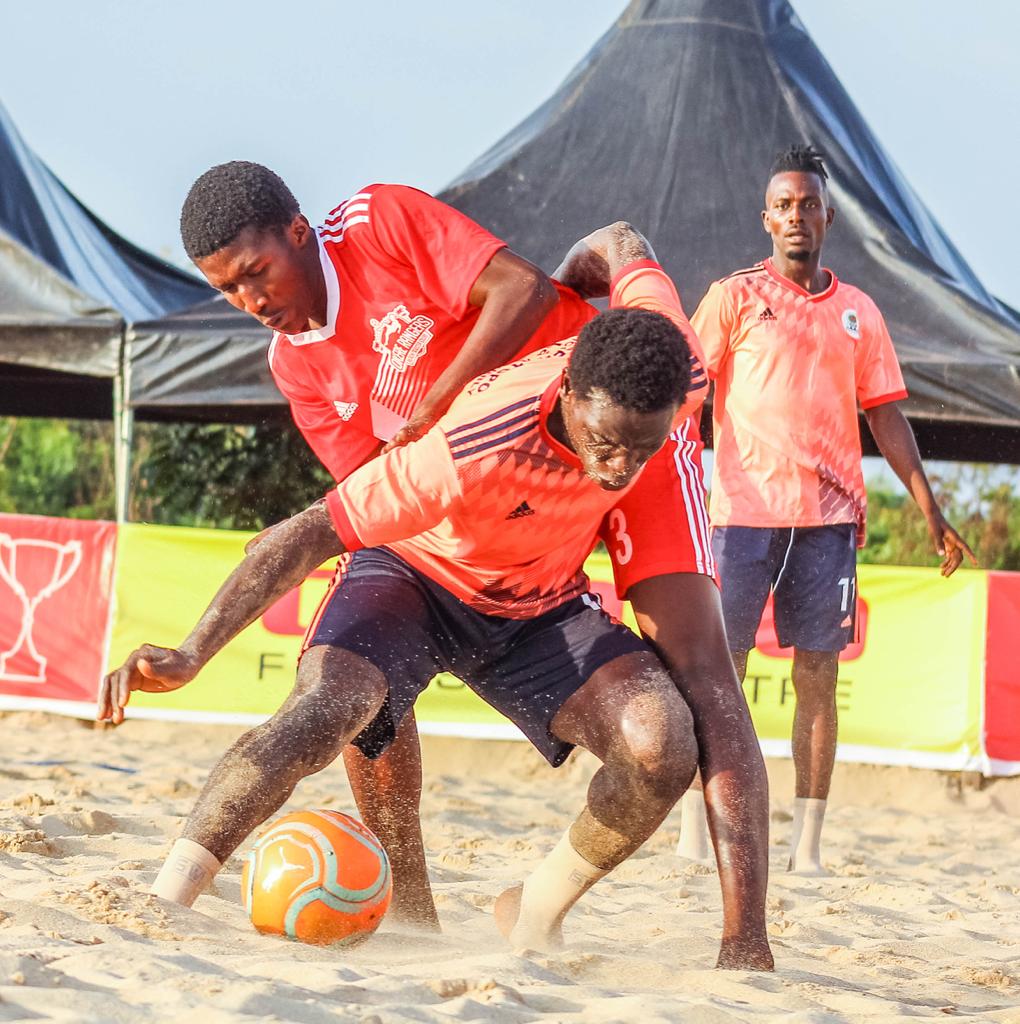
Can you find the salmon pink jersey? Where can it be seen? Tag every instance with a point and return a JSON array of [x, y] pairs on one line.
[[790, 369], [399, 267], [488, 503]]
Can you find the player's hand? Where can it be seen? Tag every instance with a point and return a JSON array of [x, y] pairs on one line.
[[416, 427], [949, 544], [152, 669]]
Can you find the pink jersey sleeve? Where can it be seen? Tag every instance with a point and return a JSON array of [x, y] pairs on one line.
[[879, 378], [645, 285], [342, 446], [713, 320], [399, 495], [446, 250]]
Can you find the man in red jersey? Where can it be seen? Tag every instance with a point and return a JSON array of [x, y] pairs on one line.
[[793, 352], [447, 576], [398, 259]]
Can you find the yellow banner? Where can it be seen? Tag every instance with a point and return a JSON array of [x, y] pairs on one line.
[[909, 692], [912, 683]]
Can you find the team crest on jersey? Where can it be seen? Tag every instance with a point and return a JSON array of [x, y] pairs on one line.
[[851, 324], [404, 338], [345, 410]]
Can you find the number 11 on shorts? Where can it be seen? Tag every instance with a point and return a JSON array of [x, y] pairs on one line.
[[848, 584]]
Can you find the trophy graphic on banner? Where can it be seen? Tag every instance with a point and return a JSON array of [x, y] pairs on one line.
[[34, 570]]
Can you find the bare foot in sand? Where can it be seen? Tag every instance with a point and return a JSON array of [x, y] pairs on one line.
[[507, 912], [742, 954], [806, 868], [419, 914]]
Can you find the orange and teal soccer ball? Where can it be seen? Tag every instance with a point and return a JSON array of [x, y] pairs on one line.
[[318, 876]]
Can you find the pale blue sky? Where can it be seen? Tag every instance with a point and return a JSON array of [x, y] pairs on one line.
[[129, 101]]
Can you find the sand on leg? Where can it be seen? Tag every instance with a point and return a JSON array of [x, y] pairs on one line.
[[335, 696], [630, 715]]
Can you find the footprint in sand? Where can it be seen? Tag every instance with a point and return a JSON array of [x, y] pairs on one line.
[[79, 823]]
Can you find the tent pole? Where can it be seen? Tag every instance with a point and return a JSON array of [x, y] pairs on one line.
[[123, 430]]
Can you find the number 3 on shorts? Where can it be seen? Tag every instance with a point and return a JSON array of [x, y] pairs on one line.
[[618, 525]]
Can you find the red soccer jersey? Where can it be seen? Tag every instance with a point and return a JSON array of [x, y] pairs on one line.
[[399, 267], [488, 503], [790, 368]]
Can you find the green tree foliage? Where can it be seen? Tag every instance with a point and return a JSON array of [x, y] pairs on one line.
[[56, 467], [231, 477], [978, 499], [248, 477]]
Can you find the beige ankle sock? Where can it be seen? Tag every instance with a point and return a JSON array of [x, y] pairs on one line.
[[552, 888], [693, 843], [806, 839], [188, 869]]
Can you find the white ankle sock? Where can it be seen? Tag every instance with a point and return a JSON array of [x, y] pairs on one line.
[[553, 887], [806, 839], [693, 843], [188, 869]]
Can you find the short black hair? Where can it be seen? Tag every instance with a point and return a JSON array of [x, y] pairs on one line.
[[229, 198], [640, 359], [803, 159]]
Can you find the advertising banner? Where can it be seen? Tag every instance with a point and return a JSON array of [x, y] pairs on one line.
[[56, 585], [1002, 675], [910, 689]]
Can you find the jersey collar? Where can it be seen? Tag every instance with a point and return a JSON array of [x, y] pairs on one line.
[[329, 274], [796, 288], [566, 455]]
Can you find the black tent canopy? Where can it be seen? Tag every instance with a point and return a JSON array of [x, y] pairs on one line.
[[68, 284], [671, 122], [207, 362]]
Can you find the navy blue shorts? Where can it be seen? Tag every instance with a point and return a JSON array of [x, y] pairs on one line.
[[811, 571], [411, 629]]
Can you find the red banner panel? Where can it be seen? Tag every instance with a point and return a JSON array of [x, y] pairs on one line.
[[56, 586], [1002, 668]]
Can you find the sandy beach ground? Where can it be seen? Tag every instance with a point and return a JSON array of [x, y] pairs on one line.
[[920, 917]]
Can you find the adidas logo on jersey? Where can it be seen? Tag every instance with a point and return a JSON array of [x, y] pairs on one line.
[[522, 510], [767, 314], [345, 410]]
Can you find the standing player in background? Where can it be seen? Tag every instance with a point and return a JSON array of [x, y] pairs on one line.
[[382, 315], [793, 351]]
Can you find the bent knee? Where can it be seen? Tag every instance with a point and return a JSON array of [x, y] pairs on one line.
[[663, 753]]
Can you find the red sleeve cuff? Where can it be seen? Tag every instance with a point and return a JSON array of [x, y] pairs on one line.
[[893, 396], [342, 522], [629, 269]]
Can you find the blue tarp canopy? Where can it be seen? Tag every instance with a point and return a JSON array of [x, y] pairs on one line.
[[68, 286]]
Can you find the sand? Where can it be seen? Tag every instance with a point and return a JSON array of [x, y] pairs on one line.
[[919, 918]]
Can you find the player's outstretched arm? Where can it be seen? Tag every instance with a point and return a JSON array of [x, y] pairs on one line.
[[592, 263], [896, 441], [271, 569]]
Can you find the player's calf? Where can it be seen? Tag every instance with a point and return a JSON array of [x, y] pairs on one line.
[[631, 716], [259, 772]]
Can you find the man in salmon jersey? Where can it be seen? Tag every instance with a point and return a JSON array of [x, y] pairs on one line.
[[793, 352], [397, 299], [468, 550]]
